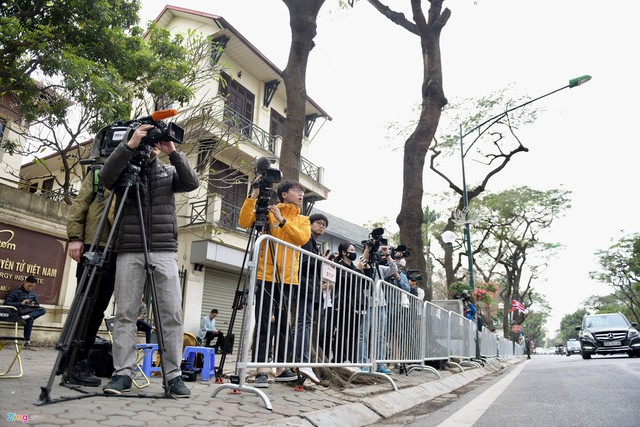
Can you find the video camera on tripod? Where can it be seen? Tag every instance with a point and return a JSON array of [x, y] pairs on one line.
[[375, 240], [109, 137], [266, 176]]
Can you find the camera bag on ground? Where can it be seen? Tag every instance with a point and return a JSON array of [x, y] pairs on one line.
[[227, 347], [189, 372], [100, 358]]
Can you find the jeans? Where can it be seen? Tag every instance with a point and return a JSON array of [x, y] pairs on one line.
[[33, 315], [326, 331], [304, 301], [366, 331]]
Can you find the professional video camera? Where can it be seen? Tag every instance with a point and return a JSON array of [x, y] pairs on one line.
[[109, 137], [399, 251], [266, 176], [375, 240], [414, 275]]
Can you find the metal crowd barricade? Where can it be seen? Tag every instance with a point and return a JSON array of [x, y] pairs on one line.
[[399, 327], [462, 337], [505, 347], [488, 344], [437, 329], [279, 313], [518, 350], [297, 319]]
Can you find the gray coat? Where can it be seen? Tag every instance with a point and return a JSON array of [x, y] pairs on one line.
[[158, 183]]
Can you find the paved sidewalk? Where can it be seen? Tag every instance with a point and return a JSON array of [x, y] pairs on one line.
[[315, 406]]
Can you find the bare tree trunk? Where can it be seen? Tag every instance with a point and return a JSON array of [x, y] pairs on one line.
[[303, 22], [433, 100]]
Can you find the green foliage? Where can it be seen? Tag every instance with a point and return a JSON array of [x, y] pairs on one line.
[[40, 40], [457, 288], [620, 269], [533, 326], [76, 66], [568, 325]]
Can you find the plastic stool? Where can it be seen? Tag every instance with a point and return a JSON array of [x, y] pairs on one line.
[[147, 360], [209, 365]]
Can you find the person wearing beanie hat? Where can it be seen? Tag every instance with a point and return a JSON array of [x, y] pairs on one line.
[[25, 300]]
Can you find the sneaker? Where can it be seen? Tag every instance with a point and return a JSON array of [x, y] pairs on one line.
[[261, 380], [27, 345], [118, 384], [308, 372], [81, 374], [286, 376], [21, 320], [384, 370], [177, 388]]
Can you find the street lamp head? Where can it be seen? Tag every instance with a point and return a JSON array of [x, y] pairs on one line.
[[449, 237], [579, 80]]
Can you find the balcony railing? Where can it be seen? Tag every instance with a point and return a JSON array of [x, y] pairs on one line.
[[309, 169], [229, 214], [255, 134], [258, 136], [198, 213], [58, 194]]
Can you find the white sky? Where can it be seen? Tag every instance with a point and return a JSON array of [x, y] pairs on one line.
[[366, 72]]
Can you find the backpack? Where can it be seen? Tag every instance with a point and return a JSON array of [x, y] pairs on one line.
[[100, 358]]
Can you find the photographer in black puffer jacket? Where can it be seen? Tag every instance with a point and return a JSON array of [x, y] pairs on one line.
[[158, 184]]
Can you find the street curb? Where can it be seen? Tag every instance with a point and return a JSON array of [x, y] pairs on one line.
[[370, 410]]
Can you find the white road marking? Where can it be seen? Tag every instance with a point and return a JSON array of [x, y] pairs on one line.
[[469, 414]]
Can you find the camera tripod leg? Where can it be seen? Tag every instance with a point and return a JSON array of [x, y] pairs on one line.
[[71, 335], [151, 281], [239, 302]]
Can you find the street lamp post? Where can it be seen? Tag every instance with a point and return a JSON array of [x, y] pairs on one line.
[[465, 198]]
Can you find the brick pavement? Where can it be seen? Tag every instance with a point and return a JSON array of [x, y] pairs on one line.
[[316, 405]]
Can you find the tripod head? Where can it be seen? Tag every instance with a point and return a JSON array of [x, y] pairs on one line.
[[129, 177]]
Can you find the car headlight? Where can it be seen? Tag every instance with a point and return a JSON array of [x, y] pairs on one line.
[[633, 333], [587, 335]]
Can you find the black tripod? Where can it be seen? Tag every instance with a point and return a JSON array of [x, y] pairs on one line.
[[96, 264], [259, 226]]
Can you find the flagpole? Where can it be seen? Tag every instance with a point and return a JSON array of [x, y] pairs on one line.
[[513, 338]]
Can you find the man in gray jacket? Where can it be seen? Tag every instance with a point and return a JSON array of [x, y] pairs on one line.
[[157, 185]]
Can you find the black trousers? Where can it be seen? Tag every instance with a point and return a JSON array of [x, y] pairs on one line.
[[98, 297], [272, 299], [210, 335]]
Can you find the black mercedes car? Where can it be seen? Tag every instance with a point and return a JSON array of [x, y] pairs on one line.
[[609, 333]]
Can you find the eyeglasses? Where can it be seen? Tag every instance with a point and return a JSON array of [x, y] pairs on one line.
[[321, 224], [297, 190]]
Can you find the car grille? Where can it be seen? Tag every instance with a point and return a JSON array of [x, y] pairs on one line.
[[610, 336]]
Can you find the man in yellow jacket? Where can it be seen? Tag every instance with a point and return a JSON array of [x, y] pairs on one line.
[[276, 280]]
